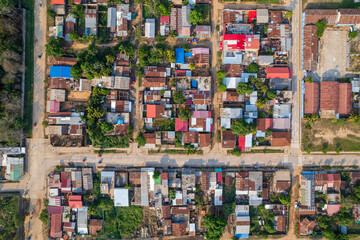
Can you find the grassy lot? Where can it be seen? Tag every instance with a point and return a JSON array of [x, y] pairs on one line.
[[331, 4], [10, 219], [29, 63], [326, 135]]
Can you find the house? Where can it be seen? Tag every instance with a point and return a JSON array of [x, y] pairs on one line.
[[334, 180], [238, 42], [164, 25], [264, 124], [60, 72], [121, 106], [191, 138], [242, 229], [150, 28], [200, 56], [228, 139], [58, 6], [312, 98], [306, 227], [82, 220], [176, 20], [278, 72], [154, 83], [203, 31], [87, 179], [123, 15], [218, 197], [281, 123], [107, 183], [153, 71], [55, 226], [150, 140], [282, 181], [262, 15], [278, 30], [275, 16], [265, 59], [111, 19], [76, 181], [310, 48], [204, 139], [280, 223], [280, 139], [312, 16], [66, 182], [307, 189], [121, 197], [321, 182], [157, 111], [232, 97], [333, 209], [336, 98], [75, 202], [95, 226], [178, 229], [91, 19], [69, 26], [185, 23], [14, 168]]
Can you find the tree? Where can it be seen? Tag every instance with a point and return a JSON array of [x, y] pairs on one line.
[[244, 88], [44, 217], [179, 97], [196, 16], [222, 87], [252, 68], [228, 208], [51, 13], [241, 128], [320, 28], [353, 34], [288, 14], [74, 36], [184, 114], [237, 152], [221, 74], [192, 66], [76, 71], [170, 55], [140, 140], [172, 194], [309, 80], [285, 199], [173, 34], [156, 174], [54, 48], [165, 8], [271, 94], [215, 226], [185, 2]]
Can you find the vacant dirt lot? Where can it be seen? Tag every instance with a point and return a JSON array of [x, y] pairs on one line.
[[326, 134], [333, 51]]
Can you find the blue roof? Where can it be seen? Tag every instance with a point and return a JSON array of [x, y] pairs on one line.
[[188, 54], [60, 71], [120, 121], [180, 55], [218, 170], [242, 236], [307, 173]]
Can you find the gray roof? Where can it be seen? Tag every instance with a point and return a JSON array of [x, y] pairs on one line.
[[82, 219], [185, 12], [266, 59], [150, 28], [144, 188], [111, 17]]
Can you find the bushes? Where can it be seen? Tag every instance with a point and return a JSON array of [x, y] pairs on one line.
[[320, 26], [179, 97], [353, 34], [241, 128], [54, 47], [252, 68], [140, 140], [184, 114], [44, 217], [244, 88]]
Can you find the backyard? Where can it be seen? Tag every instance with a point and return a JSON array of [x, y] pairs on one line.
[[330, 135]]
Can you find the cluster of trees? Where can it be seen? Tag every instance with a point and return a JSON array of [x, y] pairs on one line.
[[320, 28], [165, 124], [199, 14], [241, 127], [179, 97], [119, 222], [157, 8], [220, 75], [327, 224], [267, 217], [184, 114], [155, 54], [11, 69], [262, 88], [215, 226], [97, 128], [54, 47], [10, 219], [94, 63]]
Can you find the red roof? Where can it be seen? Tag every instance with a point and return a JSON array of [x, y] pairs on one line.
[[219, 177], [333, 209], [329, 95], [252, 16], [77, 1], [165, 19], [55, 228], [241, 41], [278, 72], [55, 210], [242, 143], [164, 176], [154, 111], [75, 201], [345, 98], [180, 125], [312, 94], [59, 2], [54, 106], [264, 123]]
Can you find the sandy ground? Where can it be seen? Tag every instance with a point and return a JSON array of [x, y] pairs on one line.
[[333, 51]]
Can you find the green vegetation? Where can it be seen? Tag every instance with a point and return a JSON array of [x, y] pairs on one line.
[[244, 88], [10, 219], [94, 63], [266, 216], [236, 151], [179, 97], [252, 68], [320, 26], [353, 34], [215, 226], [165, 124], [199, 14], [44, 217], [184, 114], [285, 199], [156, 174], [165, 8], [155, 54], [140, 140], [119, 222], [288, 14], [54, 47], [172, 194], [220, 76], [309, 80], [11, 69], [241, 128], [97, 128]]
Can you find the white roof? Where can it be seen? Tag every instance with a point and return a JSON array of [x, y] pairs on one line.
[[355, 85], [248, 140], [253, 98], [82, 220], [245, 76], [242, 210], [218, 197], [53, 192], [231, 113], [242, 229], [225, 123], [150, 28], [262, 16], [111, 17], [232, 58], [281, 123], [121, 197], [231, 82], [282, 111], [192, 227]]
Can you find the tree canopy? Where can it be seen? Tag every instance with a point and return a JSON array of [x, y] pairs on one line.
[[215, 226], [252, 68], [244, 88], [320, 28], [179, 97], [184, 114], [241, 128], [54, 47]]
